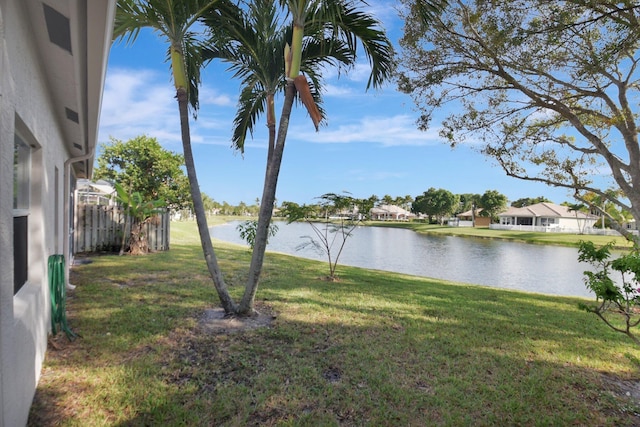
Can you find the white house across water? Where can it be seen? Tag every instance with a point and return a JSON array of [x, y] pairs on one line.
[[53, 57], [545, 217], [390, 213]]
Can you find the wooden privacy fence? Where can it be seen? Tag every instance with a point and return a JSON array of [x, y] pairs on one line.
[[100, 228]]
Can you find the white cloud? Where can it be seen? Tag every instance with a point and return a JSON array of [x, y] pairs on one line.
[[142, 102], [360, 72], [211, 96], [399, 130], [138, 102], [334, 90]]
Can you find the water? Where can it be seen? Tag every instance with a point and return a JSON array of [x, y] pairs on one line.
[[497, 263]]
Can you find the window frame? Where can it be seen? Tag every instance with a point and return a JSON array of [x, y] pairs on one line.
[[22, 176]]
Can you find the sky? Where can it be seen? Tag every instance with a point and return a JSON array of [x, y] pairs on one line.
[[369, 145]]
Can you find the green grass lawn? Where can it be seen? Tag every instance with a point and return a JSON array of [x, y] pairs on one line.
[[374, 348]]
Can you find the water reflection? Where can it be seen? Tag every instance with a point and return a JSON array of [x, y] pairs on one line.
[[497, 263]]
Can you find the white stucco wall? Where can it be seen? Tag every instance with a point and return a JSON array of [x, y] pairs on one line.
[[26, 107], [576, 223]]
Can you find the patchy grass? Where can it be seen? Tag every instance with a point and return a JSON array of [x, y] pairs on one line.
[[373, 348], [564, 239]]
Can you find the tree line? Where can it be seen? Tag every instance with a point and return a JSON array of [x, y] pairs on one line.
[[141, 165]]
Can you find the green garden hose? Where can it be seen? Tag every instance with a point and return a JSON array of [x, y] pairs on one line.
[[57, 288]]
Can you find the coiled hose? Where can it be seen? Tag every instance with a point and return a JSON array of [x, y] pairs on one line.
[[57, 289]]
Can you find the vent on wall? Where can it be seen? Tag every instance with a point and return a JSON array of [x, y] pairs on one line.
[[71, 115], [77, 146], [58, 28]]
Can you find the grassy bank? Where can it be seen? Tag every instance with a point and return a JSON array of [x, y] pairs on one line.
[[564, 239], [372, 349]]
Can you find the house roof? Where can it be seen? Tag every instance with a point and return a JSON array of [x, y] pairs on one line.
[[468, 213], [100, 186], [73, 39], [548, 210], [390, 209]]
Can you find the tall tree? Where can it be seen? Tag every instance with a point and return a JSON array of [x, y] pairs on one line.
[[439, 203], [387, 200], [406, 202], [467, 202], [142, 166], [177, 23], [365, 206], [315, 34], [547, 86], [492, 203], [209, 204]]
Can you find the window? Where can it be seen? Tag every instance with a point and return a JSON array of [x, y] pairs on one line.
[[21, 173], [506, 220], [545, 222], [525, 221], [21, 184]]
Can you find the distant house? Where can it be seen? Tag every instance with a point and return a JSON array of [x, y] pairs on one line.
[[53, 58], [547, 215], [465, 219], [95, 193], [390, 213], [630, 225]]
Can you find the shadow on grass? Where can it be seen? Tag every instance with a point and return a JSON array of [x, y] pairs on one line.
[[373, 348]]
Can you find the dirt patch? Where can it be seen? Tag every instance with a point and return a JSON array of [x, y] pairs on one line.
[[216, 321], [624, 389]]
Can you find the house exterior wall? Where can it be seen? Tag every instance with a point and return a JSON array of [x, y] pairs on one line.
[[553, 222], [576, 223], [26, 108]]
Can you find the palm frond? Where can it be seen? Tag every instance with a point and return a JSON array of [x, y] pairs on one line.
[[193, 65], [131, 17], [174, 20], [251, 105], [355, 26], [314, 83], [252, 41]]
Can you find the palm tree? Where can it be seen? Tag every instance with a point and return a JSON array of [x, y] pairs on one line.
[[175, 21], [320, 33], [576, 208]]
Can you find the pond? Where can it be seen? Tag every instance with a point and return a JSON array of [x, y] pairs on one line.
[[497, 263]]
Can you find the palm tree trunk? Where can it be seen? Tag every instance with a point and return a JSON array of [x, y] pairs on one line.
[[125, 233], [266, 207], [271, 125], [228, 304]]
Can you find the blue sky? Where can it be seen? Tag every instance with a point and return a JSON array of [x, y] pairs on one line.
[[368, 145]]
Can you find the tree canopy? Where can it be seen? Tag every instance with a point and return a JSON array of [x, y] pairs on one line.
[[546, 88], [492, 203], [141, 165], [528, 201], [468, 201], [439, 203]]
